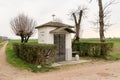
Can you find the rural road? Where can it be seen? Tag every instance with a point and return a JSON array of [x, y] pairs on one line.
[[100, 70]]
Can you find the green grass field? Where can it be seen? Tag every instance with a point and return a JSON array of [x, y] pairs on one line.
[[15, 61], [115, 40]]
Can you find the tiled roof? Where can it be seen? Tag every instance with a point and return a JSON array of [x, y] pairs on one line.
[[54, 24]]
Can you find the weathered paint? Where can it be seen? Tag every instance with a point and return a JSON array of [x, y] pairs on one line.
[[44, 37]]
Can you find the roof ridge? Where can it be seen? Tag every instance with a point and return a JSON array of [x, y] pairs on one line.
[[54, 24]]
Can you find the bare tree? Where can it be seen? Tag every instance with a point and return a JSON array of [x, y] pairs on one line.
[[103, 21], [77, 18], [23, 26]]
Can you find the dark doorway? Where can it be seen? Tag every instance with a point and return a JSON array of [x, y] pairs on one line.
[[59, 40]]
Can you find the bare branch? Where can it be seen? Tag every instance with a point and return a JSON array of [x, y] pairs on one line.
[[103, 18], [77, 16], [75, 19], [23, 26], [108, 4]]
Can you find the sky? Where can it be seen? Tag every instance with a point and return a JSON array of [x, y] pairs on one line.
[[42, 11]]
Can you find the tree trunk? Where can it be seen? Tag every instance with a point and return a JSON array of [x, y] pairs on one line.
[[22, 39], [26, 39], [77, 24], [77, 37], [101, 21]]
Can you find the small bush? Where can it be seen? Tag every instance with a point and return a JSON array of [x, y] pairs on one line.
[[40, 54], [92, 49]]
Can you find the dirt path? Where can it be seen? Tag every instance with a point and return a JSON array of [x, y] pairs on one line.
[[92, 71]]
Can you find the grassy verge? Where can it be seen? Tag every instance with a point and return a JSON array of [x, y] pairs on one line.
[[17, 62], [113, 57], [115, 54], [1, 44]]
